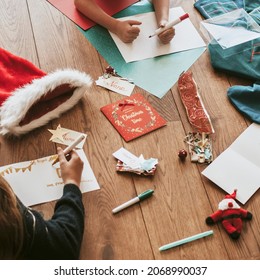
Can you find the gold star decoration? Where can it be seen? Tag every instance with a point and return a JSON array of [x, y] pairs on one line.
[[59, 133]]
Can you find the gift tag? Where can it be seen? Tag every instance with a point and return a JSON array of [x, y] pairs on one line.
[[116, 84]]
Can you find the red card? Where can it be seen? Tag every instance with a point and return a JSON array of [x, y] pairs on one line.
[[68, 8], [133, 116]]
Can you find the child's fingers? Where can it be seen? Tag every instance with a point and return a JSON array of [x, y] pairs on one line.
[[134, 22], [73, 154], [61, 154]]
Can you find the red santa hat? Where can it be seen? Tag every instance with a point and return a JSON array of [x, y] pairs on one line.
[[29, 97]]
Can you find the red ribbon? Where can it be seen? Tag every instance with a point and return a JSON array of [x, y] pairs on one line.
[[126, 103]]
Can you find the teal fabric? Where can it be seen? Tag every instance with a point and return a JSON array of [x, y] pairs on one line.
[[252, 5], [209, 8], [246, 100], [242, 60]]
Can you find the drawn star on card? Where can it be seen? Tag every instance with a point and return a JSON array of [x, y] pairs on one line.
[[59, 133]]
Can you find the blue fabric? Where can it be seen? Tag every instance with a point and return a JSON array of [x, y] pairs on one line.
[[246, 100]]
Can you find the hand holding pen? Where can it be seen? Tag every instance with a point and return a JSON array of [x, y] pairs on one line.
[[167, 35], [71, 147], [166, 31], [71, 170]]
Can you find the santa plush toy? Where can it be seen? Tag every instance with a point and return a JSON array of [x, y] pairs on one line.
[[231, 215], [29, 97]]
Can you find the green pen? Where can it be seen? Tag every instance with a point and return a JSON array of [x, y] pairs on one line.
[[134, 200]]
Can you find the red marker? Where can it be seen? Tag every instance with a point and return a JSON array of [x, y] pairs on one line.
[[169, 25]]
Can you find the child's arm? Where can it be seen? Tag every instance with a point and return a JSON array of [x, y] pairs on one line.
[[161, 8], [127, 30], [62, 236]]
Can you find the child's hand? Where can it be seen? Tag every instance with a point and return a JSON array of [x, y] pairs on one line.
[[167, 35], [71, 169], [127, 30]]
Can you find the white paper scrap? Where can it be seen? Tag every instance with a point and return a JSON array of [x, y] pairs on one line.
[[127, 158]]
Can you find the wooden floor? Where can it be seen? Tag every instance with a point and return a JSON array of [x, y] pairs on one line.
[[183, 198]]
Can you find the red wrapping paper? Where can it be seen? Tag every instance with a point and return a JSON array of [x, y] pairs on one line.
[[196, 112]]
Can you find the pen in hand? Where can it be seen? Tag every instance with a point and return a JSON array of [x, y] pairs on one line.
[[70, 147], [169, 25]]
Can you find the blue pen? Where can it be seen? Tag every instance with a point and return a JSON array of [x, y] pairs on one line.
[[186, 240]]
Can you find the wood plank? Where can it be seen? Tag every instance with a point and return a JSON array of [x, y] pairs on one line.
[[14, 37], [16, 31], [183, 198]]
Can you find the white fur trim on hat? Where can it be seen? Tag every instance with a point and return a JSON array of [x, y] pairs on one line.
[[14, 109]]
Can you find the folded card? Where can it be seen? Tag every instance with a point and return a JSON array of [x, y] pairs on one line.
[[238, 166]]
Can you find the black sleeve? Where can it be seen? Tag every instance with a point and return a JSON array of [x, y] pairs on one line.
[[61, 236]]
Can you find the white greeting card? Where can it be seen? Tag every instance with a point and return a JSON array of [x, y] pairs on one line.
[[186, 38], [38, 181], [238, 167]]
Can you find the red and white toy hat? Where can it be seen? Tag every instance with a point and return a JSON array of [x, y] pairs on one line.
[[229, 202], [232, 196], [30, 98]]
